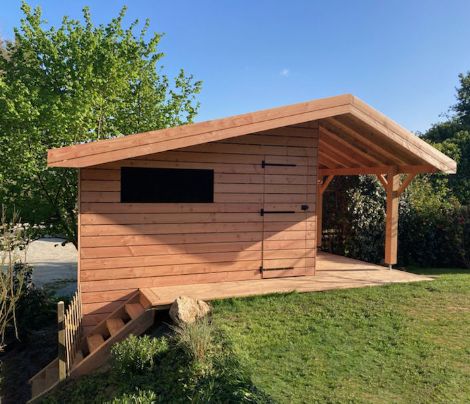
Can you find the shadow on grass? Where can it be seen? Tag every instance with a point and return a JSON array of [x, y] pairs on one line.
[[438, 271]]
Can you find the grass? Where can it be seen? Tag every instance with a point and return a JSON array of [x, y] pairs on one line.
[[396, 343], [399, 343]]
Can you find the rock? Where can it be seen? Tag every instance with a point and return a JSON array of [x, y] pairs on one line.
[[186, 310]]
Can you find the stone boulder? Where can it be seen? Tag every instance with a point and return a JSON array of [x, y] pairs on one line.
[[186, 310]]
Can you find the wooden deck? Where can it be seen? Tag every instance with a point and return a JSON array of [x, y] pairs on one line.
[[333, 272]]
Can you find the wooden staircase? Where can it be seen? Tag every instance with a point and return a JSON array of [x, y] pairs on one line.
[[134, 316]]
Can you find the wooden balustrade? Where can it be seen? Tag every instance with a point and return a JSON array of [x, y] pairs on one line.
[[70, 331]]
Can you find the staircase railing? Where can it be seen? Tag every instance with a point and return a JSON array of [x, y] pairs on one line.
[[70, 332], [69, 324]]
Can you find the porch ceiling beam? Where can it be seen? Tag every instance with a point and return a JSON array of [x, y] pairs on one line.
[[329, 149], [334, 155], [336, 122], [354, 148], [328, 162], [418, 169]]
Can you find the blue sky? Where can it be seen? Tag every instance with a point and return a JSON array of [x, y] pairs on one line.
[[402, 57]]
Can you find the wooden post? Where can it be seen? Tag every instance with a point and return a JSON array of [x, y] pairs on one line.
[[391, 224], [321, 187], [61, 340], [319, 214]]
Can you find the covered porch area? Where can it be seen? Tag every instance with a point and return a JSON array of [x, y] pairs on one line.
[[332, 272]]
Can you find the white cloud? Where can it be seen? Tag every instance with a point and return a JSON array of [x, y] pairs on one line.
[[284, 72]]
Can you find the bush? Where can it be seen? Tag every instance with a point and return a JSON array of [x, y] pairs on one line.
[[436, 238], [195, 339], [36, 307], [434, 229], [141, 397], [137, 355], [196, 364]]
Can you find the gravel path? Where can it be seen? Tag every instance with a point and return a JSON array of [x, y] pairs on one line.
[[55, 266]]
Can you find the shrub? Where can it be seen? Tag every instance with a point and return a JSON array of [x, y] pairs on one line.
[[197, 365], [434, 229], [13, 272], [195, 339], [141, 397], [137, 355]]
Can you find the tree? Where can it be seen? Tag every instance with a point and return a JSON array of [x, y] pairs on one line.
[[73, 84], [453, 138]]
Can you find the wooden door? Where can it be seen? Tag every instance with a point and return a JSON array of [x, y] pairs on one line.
[[284, 217]]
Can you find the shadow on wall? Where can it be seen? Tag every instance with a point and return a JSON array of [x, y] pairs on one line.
[[119, 258]]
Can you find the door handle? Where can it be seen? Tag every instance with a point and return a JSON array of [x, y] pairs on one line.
[[304, 207]]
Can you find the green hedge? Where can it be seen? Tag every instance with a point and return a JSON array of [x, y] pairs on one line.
[[434, 228]]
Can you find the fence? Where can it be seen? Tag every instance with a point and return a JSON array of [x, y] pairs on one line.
[[70, 331]]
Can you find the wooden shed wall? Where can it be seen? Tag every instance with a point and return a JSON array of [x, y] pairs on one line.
[[125, 246]]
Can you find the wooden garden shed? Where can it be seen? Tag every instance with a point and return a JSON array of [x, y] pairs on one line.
[[231, 199], [229, 207]]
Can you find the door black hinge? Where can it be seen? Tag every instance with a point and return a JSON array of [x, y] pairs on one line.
[[262, 269], [263, 212], [264, 164]]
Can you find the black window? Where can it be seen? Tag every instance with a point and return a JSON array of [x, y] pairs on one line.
[[164, 185]]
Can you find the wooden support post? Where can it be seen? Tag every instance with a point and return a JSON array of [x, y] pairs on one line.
[[319, 209], [391, 224], [61, 341], [322, 185]]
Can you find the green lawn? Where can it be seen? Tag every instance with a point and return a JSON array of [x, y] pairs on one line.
[[397, 343]]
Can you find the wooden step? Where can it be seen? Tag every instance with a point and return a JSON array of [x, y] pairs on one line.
[[134, 310], [94, 341], [52, 375], [114, 325], [38, 385], [78, 358]]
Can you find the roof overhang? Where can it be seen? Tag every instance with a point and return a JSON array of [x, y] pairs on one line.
[[354, 139]]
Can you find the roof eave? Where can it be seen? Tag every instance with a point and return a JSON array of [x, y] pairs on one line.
[[110, 150]]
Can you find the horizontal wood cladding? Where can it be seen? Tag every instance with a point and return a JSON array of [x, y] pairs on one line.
[[160, 218], [191, 248], [185, 238], [130, 208], [126, 246], [226, 197], [112, 176], [224, 188], [177, 228]]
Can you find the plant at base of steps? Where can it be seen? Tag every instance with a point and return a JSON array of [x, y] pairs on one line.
[[162, 370], [136, 355], [141, 397], [195, 339]]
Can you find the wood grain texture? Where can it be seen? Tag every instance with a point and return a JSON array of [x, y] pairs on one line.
[[127, 246], [333, 272], [354, 120]]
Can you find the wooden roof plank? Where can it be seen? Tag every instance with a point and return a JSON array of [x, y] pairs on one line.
[[338, 154], [402, 137], [378, 148], [307, 113], [341, 142], [189, 135]]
